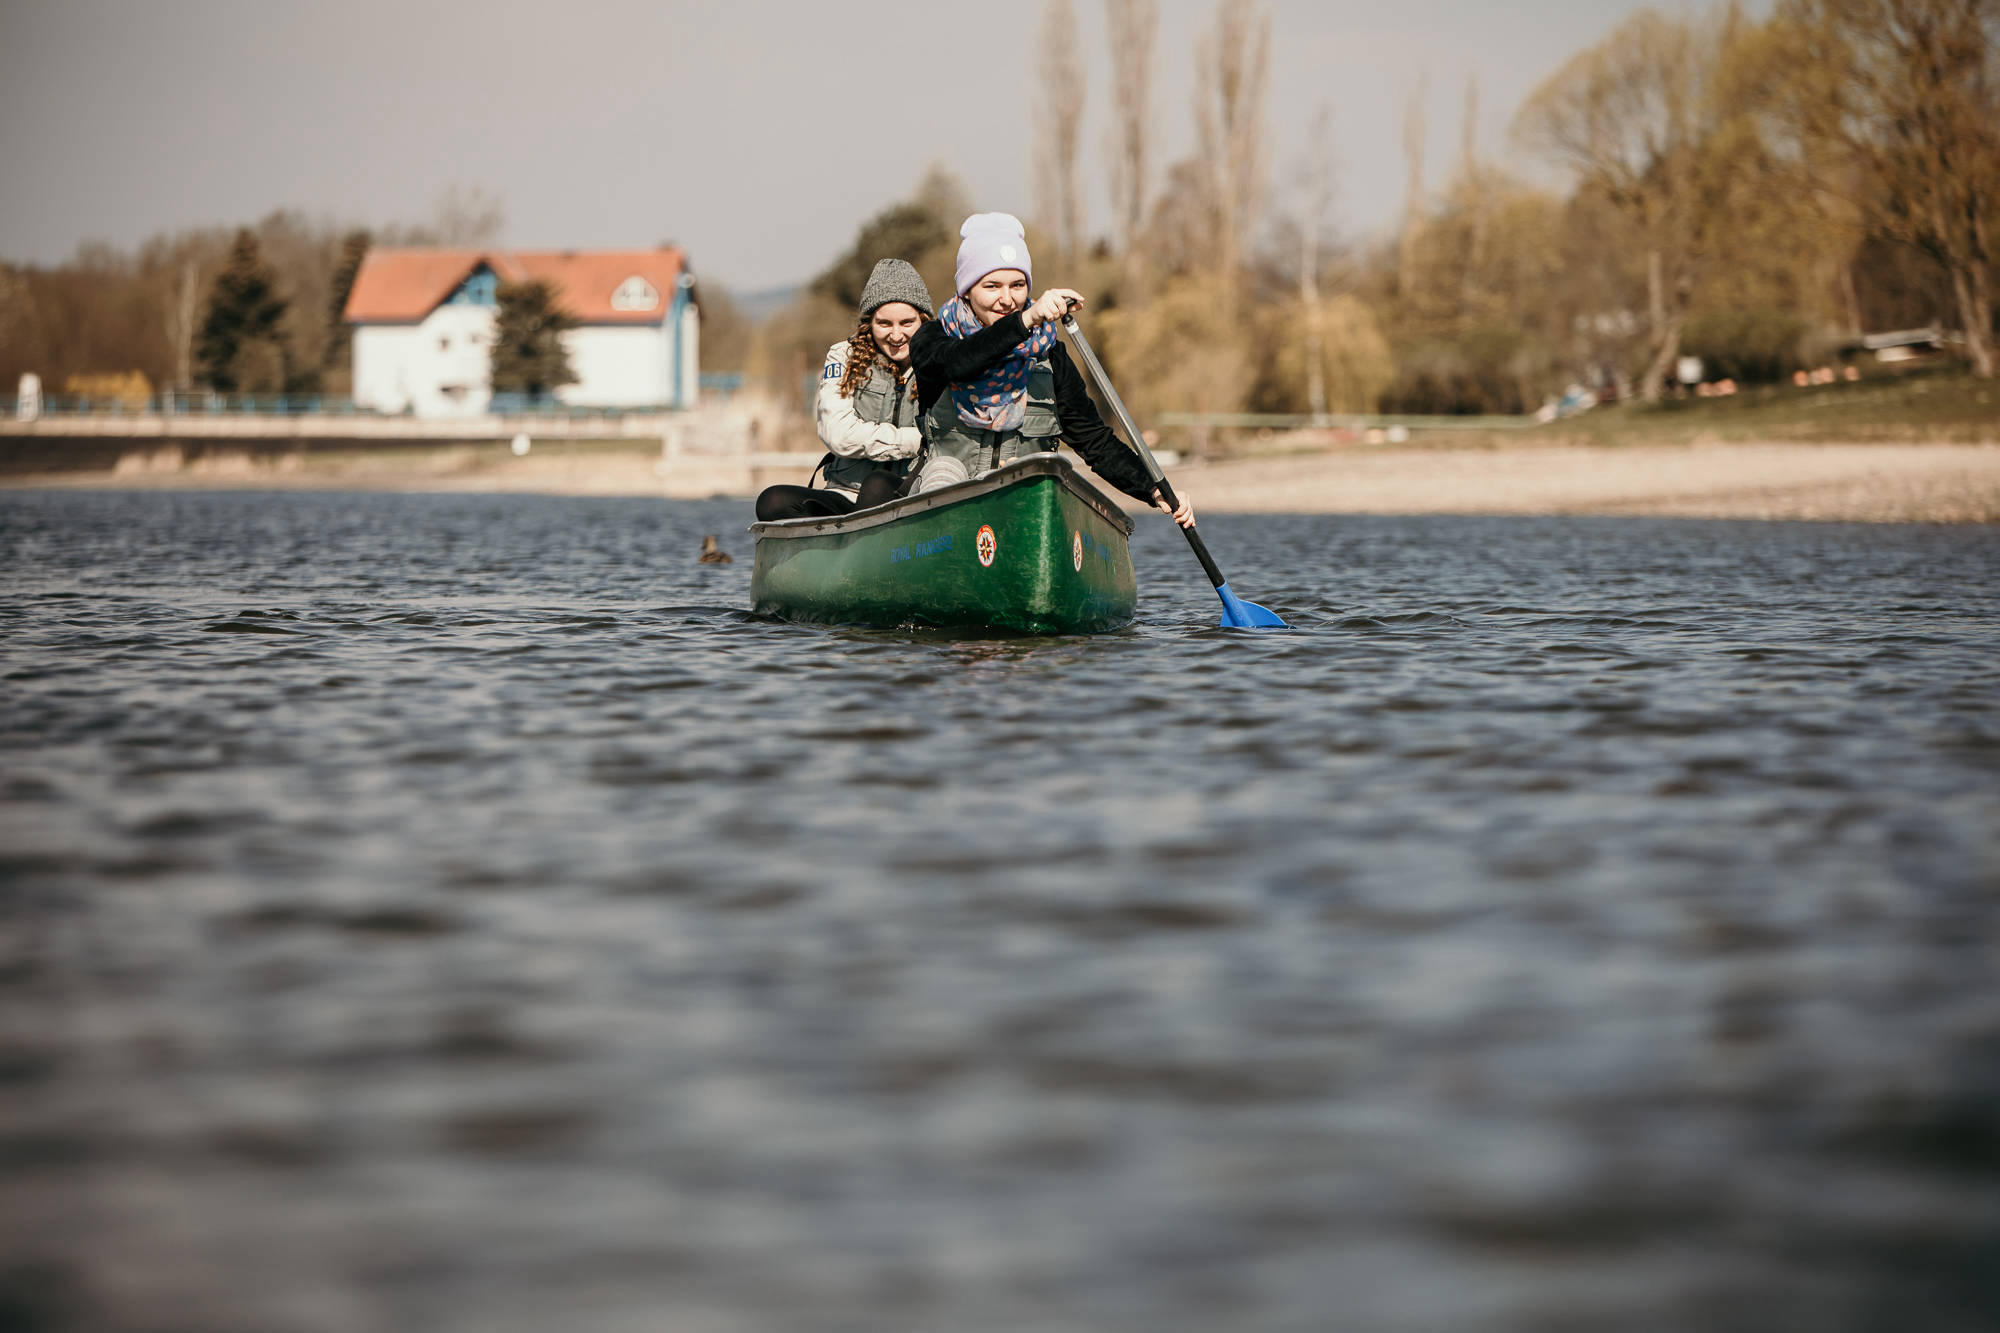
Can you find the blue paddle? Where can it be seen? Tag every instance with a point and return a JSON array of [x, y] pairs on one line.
[[1236, 613]]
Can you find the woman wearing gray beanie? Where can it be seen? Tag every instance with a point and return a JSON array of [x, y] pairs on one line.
[[866, 407]]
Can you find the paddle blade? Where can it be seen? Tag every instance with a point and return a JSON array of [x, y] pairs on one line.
[[1239, 614]]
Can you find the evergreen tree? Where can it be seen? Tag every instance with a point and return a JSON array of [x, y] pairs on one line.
[[906, 231], [241, 348], [340, 338], [528, 353]]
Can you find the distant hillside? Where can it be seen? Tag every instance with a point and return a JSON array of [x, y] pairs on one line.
[[760, 306]]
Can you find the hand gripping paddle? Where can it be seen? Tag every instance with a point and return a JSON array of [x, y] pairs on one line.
[[1236, 613]]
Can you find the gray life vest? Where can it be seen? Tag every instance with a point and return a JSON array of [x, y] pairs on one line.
[[875, 399], [980, 451]]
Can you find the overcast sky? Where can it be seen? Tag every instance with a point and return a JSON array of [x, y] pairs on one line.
[[757, 134]]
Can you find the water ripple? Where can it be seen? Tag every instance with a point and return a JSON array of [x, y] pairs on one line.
[[460, 913]]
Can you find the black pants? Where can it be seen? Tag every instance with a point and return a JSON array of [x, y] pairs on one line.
[[779, 502]]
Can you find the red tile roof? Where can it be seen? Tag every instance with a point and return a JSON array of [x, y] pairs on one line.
[[403, 285]]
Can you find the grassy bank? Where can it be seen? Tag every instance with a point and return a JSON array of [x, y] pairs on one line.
[[1924, 405], [1921, 405], [1917, 445], [1928, 405]]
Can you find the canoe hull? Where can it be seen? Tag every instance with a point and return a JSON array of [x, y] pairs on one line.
[[1030, 548]]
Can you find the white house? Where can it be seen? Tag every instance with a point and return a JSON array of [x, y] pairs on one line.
[[423, 322]]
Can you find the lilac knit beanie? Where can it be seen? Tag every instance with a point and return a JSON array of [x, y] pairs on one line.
[[992, 241]]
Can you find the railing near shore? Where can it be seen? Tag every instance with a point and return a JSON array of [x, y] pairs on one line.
[[545, 406], [294, 405], [191, 403], [1307, 421]]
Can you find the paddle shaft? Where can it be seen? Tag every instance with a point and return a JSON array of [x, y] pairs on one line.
[[1139, 442]]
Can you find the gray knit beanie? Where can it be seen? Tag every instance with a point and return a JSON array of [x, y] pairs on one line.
[[894, 280]]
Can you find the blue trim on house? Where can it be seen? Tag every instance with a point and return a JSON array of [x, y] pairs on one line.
[[683, 294]]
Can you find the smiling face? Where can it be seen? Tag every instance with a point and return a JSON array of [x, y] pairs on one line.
[[892, 326], [999, 293]]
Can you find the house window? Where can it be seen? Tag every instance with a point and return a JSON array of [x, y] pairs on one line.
[[478, 288], [635, 293]]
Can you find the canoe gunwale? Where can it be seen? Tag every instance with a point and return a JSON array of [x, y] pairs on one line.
[[1006, 475]]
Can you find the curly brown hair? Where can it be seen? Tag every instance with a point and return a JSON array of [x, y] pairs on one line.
[[862, 353]]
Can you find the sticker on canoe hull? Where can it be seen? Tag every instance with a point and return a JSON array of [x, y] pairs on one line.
[[984, 544], [1076, 551]]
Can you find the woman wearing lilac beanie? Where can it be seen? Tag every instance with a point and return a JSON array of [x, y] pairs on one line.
[[995, 384]]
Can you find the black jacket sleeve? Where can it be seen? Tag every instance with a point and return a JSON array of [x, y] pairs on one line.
[[1085, 431], [941, 360]]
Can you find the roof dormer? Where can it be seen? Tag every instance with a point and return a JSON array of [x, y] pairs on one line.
[[481, 287], [635, 294]]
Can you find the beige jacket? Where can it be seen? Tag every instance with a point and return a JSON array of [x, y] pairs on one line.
[[845, 432]]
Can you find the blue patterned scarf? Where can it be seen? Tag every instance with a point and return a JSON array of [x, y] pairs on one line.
[[998, 399]]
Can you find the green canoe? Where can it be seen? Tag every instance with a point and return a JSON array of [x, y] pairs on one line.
[[1030, 547]]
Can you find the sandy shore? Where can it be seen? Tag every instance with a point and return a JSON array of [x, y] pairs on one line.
[[1933, 483], [1880, 483]]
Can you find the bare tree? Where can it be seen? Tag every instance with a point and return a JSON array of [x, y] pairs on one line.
[[1850, 298], [1133, 26], [1230, 62], [304, 251], [1180, 229], [176, 271], [1468, 129], [1059, 125], [20, 341], [1416, 130], [1472, 184], [1906, 95], [467, 215], [1316, 186], [1639, 119], [183, 312]]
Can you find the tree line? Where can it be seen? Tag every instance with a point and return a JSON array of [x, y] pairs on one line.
[[258, 310], [1757, 193], [253, 309], [1754, 192]]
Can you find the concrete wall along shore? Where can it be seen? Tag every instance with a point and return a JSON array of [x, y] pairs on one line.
[[722, 449]]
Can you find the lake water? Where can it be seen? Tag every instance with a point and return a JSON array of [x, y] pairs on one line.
[[459, 914]]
